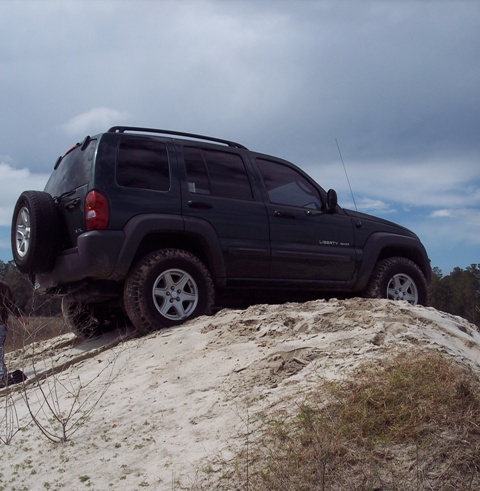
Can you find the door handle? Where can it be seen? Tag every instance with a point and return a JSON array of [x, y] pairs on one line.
[[73, 204], [199, 204], [283, 214]]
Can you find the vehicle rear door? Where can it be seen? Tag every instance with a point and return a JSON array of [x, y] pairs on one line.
[[69, 184], [218, 192]]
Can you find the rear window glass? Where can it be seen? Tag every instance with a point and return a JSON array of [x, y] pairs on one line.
[[74, 170], [143, 164]]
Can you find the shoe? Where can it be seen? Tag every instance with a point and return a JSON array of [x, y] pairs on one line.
[[16, 377]]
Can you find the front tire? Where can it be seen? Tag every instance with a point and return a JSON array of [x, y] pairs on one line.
[[398, 278], [166, 288]]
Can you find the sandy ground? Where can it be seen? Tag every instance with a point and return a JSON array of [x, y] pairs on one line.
[[151, 413]]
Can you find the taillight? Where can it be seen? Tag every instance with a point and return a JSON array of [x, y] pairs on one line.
[[97, 211]]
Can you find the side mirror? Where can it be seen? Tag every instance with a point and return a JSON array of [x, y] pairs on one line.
[[332, 201]]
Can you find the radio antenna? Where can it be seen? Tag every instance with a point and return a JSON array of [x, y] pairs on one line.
[[359, 223]]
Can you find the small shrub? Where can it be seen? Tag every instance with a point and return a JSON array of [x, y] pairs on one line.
[[37, 329]]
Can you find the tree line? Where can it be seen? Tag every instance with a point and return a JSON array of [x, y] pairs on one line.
[[457, 293], [29, 301]]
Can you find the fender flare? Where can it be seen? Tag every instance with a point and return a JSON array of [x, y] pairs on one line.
[[141, 226], [383, 244]]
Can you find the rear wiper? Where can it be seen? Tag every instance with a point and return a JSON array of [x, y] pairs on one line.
[[85, 143], [83, 146]]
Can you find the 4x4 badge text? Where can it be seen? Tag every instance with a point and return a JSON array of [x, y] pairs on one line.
[[333, 243]]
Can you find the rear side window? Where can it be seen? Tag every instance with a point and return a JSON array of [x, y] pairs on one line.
[[143, 164], [198, 181], [74, 170], [216, 173]]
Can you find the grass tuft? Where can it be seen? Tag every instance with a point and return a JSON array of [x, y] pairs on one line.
[[407, 401], [410, 424]]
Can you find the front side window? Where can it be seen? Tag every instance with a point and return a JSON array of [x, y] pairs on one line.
[[143, 164], [216, 173], [286, 186]]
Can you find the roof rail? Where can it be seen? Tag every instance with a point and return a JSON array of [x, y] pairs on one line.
[[122, 129]]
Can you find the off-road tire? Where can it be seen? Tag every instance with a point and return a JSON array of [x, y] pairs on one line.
[[166, 288], [34, 234], [402, 273], [88, 320]]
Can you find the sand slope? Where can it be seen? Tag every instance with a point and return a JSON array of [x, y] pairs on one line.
[[148, 413]]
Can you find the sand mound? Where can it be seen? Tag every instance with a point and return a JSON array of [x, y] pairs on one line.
[[147, 413]]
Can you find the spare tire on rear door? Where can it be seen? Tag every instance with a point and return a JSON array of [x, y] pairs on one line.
[[35, 226]]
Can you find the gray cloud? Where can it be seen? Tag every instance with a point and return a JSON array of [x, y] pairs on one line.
[[394, 77], [94, 121]]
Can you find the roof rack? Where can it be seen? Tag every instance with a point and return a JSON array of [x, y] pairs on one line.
[[122, 129]]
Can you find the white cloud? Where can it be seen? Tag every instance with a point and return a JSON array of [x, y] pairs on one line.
[[12, 184], [433, 182], [470, 217], [94, 121], [442, 213], [369, 205], [452, 232]]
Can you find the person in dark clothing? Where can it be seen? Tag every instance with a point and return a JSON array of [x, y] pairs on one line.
[[7, 307]]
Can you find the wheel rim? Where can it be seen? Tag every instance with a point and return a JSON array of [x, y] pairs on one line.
[[22, 232], [175, 294], [402, 287]]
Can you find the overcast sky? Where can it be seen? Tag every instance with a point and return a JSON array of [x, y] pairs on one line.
[[396, 83]]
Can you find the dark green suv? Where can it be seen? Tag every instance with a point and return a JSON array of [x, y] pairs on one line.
[[162, 226]]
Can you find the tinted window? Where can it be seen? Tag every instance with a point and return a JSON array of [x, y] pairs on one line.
[[197, 175], [217, 173], [286, 186], [74, 170], [143, 164]]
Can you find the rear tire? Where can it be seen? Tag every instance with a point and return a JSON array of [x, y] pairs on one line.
[[88, 320], [166, 288], [34, 235], [398, 278]]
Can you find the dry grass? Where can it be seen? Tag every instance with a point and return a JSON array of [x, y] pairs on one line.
[[412, 424], [38, 329]]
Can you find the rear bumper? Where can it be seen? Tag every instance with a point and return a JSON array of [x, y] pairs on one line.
[[95, 257]]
